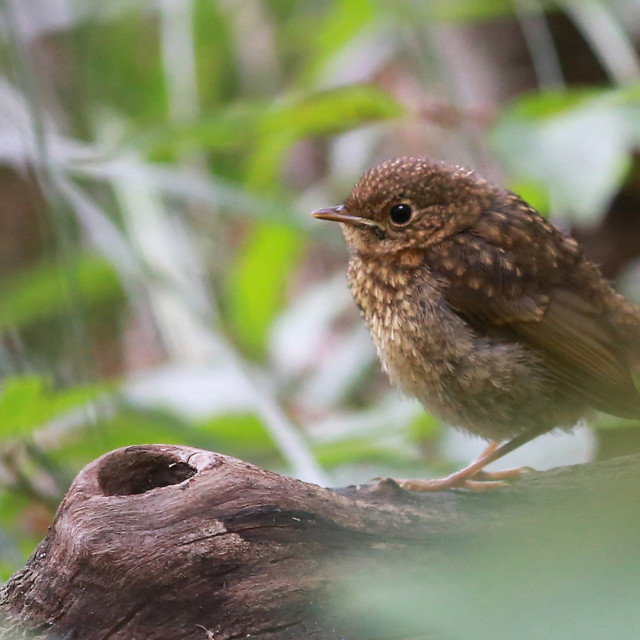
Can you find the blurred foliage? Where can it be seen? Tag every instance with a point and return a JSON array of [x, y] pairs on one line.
[[266, 128], [41, 291], [160, 278], [570, 571], [27, 403], [550, 128], [257, 281]]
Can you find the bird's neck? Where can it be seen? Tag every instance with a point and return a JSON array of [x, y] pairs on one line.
[[383, 277]]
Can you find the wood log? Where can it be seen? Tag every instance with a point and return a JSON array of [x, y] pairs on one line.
[[158, 542]]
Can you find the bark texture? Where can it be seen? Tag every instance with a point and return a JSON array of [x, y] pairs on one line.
[[172, 542]]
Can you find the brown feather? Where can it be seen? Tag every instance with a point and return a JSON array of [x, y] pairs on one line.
[[570, 330]]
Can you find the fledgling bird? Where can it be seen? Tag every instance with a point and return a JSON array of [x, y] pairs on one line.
[[494, 319]]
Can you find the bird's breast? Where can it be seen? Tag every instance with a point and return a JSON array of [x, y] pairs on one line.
[[418, 337], [481, 383]]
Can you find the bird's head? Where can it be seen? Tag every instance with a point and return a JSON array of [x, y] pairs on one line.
[[409, 203]]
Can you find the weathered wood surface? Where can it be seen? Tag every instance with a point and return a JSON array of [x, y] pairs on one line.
[[171, 542]]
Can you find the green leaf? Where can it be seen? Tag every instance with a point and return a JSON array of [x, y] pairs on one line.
[[241, 435], [256, 286], [250, 125], [6, 569], [19, 531], [50, 289], [28, 402], [534, 193], [540, 106], [326, 113], [213, 27], [467, 10], [330, 112], [577, 142], [424, 427], [343, 21], [117, 65], [127, 426], [233, 127], [359, 451]]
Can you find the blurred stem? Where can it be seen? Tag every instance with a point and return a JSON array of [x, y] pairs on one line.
[[537, 35], [45, 170], [182, 302], [258, 65], [179, 59], [607, 37], [174, 282], [285, 434], [21, 483], [57, 475], [185, 312]]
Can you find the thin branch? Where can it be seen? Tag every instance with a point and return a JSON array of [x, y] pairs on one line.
[[537, 35], [607, 37]]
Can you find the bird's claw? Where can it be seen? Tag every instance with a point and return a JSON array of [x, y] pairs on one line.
[[444, 484]]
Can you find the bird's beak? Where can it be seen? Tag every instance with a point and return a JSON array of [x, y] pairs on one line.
[[340, 214]]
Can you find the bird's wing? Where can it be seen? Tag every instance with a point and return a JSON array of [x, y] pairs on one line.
[[581, 351], [534, 300]]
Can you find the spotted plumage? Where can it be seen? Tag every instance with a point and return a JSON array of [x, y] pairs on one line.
[[481, 309]]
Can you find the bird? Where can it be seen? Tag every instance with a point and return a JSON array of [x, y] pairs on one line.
[[481, 309]]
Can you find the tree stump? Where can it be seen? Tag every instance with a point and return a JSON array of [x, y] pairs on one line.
[[159, 542]]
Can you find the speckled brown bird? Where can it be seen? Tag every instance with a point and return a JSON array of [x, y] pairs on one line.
[[481, 309]]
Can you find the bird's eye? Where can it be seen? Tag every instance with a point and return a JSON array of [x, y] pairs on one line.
[[400, 213]]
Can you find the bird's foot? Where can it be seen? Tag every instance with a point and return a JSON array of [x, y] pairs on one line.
[[464, 479], [450, 482], [473, 477], [505, 474]]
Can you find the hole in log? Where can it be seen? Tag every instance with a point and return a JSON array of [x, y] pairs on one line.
[[137, 470]]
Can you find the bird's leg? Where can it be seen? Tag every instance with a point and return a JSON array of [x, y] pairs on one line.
[[488, 450], [463, 479], [505, 474]]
